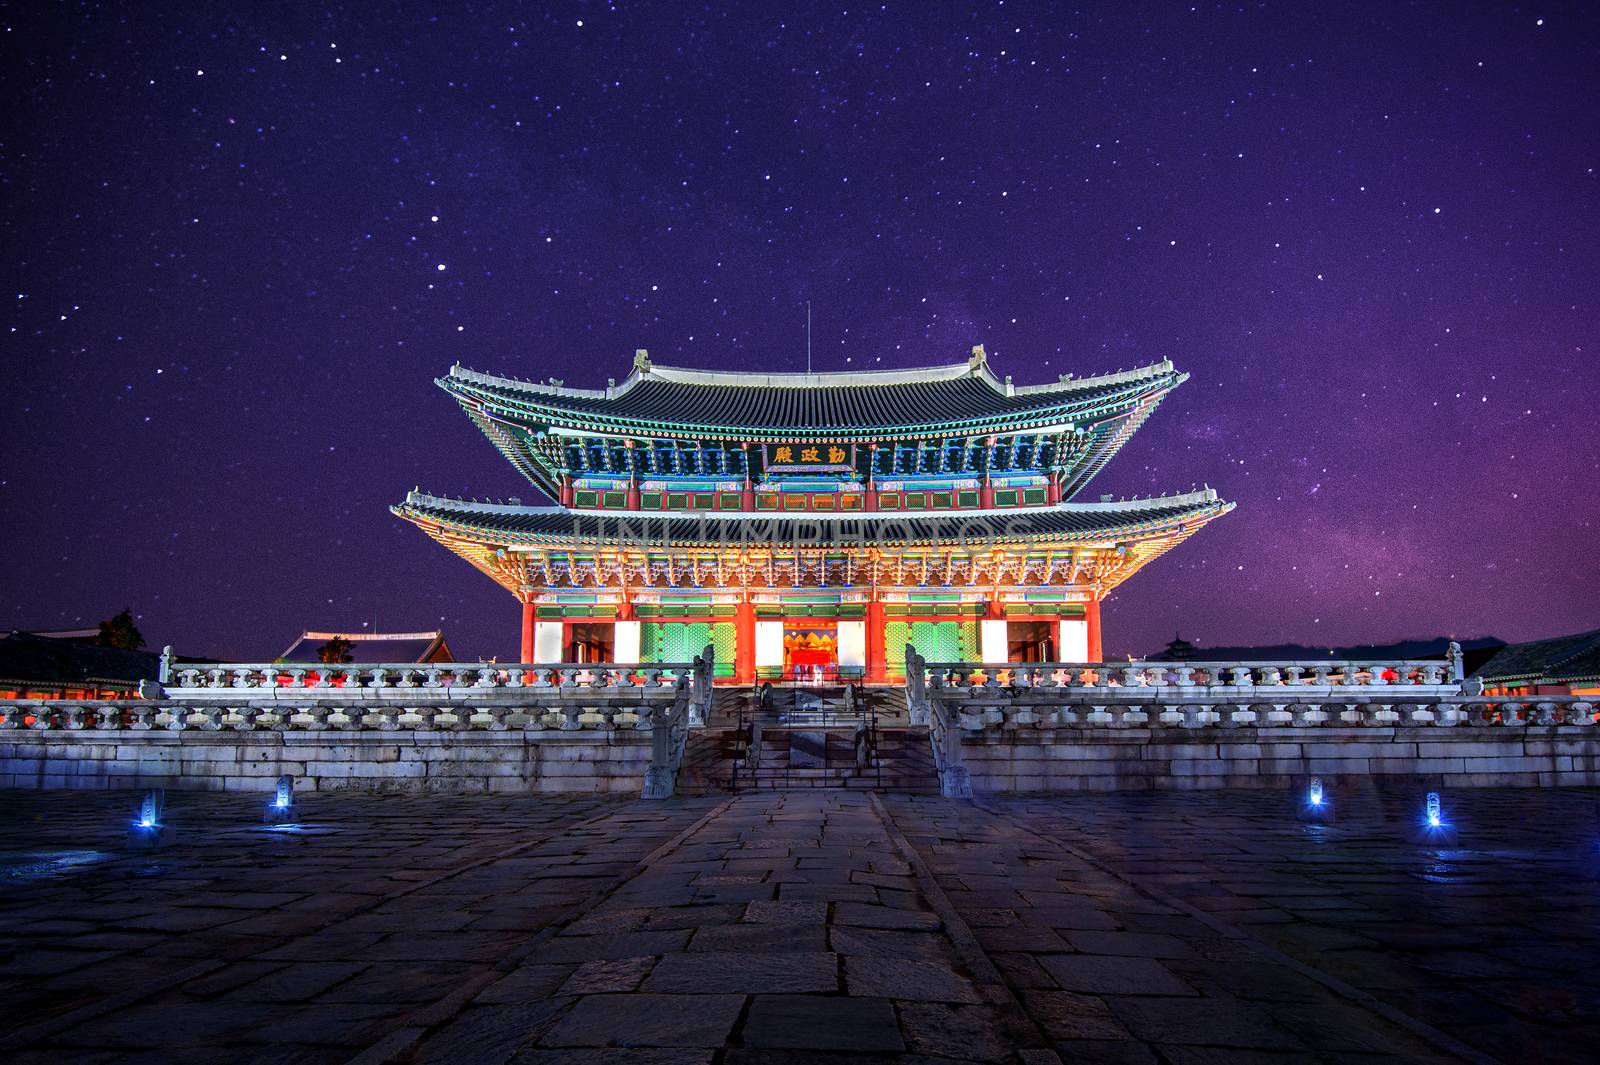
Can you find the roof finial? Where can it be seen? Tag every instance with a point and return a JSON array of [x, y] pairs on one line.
[[641, 360], [979, 357]]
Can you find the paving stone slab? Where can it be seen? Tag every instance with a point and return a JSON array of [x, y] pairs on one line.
[[746, 973], [648, 1020], [822, 1022], [1106, 975], [907, 980]]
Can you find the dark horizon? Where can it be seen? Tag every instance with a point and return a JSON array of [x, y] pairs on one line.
[[243, 245]]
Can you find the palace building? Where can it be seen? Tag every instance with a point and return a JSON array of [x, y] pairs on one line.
[[812, 525]]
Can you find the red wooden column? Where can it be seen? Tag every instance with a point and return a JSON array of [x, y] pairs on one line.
[[744, 643], [1091, 614], [877, 657], [747, 498], [528, 613]]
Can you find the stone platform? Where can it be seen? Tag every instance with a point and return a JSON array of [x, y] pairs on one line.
[[801, 927]]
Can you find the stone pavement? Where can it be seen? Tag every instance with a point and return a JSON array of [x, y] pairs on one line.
[[1490, 938], [812, 926]]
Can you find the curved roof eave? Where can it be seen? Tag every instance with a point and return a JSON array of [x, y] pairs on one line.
[[1160, 514], [1077, 407]]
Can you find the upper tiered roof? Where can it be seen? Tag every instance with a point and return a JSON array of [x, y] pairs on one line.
[[962, 398]]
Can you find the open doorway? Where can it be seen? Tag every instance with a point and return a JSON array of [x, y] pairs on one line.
[[590, 641], [1029, 641], [810, 650]]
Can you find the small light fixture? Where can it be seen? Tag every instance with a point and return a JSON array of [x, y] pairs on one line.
[[149, 829], [1317, 805], [280, 808], [1432, 812]]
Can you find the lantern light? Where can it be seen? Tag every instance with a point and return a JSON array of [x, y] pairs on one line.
[[1314, 793], [1432, 810]]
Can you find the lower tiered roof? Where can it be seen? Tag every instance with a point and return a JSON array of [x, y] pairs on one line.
[[511, 525]]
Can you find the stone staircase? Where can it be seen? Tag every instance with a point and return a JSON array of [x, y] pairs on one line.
[[712, 759], [708, 756]]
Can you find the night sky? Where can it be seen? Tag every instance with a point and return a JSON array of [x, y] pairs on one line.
[[242, 247]]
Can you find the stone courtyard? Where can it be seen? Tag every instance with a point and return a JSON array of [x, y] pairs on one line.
[[802, 926]]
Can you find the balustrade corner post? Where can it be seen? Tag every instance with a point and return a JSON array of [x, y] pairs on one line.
[[1456, 660]]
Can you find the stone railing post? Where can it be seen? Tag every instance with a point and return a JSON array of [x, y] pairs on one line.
[[916, 687], [666, 733], [954, 780]]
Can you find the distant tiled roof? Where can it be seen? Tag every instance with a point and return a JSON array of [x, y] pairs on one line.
[[374, 646], [760, 404], [27, 657], [1559, 660], [1081, 521]]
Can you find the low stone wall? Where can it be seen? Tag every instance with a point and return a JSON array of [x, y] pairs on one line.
[[546, 761], [1099, 759]]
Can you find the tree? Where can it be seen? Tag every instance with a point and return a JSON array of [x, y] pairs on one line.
[[335, 651], [120, 631]]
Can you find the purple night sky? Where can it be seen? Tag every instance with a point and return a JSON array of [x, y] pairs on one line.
[[242, 247]]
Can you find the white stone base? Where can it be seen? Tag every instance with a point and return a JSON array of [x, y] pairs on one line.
[[548, 761]]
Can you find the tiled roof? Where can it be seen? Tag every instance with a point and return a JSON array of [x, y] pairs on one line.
[[373, 646], [773, 404], [1560, 659], [25, 656], [1091, 521]]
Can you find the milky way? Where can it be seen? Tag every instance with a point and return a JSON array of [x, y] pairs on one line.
[[242, 247]]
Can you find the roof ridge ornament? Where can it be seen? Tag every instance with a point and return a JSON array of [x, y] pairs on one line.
[[978, 358], [641, 360]]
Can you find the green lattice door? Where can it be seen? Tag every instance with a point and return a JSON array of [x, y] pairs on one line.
[[680, 641], [935, 641]]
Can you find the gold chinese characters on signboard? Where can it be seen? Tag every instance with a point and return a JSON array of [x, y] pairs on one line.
[[808, 455]]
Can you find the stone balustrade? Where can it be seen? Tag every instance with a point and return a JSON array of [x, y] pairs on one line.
[[977, 712], [234, 725], [1153, 676], [1068, 726], [311, 714], [1045, 695], [403, 680]]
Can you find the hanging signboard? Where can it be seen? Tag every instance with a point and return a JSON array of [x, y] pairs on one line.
[[802, 455]]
